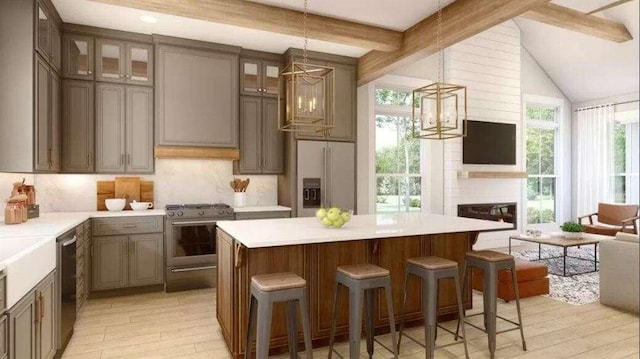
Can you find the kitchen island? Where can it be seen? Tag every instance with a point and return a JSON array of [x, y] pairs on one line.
[[303, 246]]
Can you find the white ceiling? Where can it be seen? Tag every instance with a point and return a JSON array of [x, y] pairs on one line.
[[584, 67]]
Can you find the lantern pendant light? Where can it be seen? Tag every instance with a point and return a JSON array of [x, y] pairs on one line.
[[442, 111], [308, 94]]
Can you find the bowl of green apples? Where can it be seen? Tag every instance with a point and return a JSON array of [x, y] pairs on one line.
[[333, 217]]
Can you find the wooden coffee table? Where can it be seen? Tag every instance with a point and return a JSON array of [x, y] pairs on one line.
[[557, 240]]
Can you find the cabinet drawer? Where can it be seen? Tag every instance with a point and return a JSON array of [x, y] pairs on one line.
[[263, 215], [3, 302], [129, 225]]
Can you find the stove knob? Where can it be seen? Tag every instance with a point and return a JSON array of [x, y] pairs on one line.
[[180, 213], [170, 214], [221, 212], [229, 211], [201, 213]]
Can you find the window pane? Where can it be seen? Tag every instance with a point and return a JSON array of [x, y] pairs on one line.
[[393, 98], [541, 113], [619, 189], [396, 149], [386, 194], [547, 157], [533, 151], [541, 202], [619, 149]]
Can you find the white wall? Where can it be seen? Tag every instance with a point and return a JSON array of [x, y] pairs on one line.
[[175, 181], [537, 84]]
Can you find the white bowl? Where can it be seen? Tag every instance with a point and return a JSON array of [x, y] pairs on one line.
[[141, 206], [115, 204]]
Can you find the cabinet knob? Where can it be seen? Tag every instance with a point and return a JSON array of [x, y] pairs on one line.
[[128, 76], [90, 72], [121, 75]]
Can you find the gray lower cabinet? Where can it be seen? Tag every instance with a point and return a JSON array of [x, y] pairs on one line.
[[145, 259], [4, 332], [261, 143], [32, 324], [77, 126], [46, 344], [109, 262], [127, 260], [124, 129], [196, 97]]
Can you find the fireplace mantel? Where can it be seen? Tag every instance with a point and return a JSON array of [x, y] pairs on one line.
[[491, 174]]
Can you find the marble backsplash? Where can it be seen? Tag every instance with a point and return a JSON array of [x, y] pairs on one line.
[[175, 180]]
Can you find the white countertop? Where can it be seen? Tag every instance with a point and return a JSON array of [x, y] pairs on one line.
[[308, 230], [261, 209]]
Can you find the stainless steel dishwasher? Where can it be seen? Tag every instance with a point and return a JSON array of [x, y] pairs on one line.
[[65, 288]]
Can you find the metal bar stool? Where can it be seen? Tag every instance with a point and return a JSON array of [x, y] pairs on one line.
[[491, 262], [362, 281], [271, 288], [431, 270]]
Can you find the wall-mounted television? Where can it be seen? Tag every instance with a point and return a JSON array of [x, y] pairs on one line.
[[489, 143]]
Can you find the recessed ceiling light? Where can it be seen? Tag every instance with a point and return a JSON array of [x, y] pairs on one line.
[[148, 19]]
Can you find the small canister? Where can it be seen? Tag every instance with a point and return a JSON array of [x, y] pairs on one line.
[[30, 191], [12, 213]]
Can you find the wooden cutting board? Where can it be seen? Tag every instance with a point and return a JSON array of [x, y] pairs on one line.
[[128, 188], [107, 189]]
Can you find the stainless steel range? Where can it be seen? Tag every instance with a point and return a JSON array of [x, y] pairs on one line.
[[190, 244]]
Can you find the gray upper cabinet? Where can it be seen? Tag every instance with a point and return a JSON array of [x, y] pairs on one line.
[[43, 31], [124, 129], [46, 329], [47, 118], [139, 64], [145, 259], [124, 62], [78, 126], [56, 49], [261, 143], [139, 129], [110, 128], [259, 77], [109, 262], [345, 109], [196, 97], [77, 57], [110, 60], [22, 328]]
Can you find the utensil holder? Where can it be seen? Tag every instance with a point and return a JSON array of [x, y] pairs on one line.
[[239, 199]]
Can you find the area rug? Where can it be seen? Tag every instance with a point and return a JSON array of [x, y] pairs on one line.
[[578, 289]]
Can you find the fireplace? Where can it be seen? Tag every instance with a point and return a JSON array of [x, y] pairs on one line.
[[498, 212]]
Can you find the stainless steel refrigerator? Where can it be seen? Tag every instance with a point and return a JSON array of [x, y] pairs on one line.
[[326, 176]]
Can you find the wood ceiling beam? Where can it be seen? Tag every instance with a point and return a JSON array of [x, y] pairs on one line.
[[460, 20], [570, 19], [274, 19]]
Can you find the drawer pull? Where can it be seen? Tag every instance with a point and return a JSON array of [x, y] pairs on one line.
[[130, 226]]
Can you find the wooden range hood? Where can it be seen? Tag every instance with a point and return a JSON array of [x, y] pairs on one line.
[[196, 152]]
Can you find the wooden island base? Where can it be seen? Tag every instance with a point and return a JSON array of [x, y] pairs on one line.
[[317, 263]]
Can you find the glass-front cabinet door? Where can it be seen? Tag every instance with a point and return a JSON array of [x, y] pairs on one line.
[[110, 64], [77, 57], [270, 74], [139, 64], [251, 77], [43, 32]]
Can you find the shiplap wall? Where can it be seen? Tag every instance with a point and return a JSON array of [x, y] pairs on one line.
[[489, 65]]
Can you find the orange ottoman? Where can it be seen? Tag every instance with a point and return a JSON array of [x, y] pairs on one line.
[[532, 280]]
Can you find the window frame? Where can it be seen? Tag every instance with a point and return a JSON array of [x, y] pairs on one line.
[[397, 110], [558, 104], [623, 118]]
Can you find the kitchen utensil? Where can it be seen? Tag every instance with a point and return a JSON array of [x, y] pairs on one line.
[[128, 188], [141, 206], [115, 204]]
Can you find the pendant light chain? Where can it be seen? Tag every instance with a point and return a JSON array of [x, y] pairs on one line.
[[438, 43], [304, 31]]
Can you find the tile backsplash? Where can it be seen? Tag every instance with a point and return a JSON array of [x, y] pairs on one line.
[[175, 180]]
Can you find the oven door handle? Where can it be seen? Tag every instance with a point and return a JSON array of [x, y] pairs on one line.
[[70, 242], [191, 223], [192, 269]]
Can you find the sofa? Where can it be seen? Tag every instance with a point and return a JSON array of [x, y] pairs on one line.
[[620, 272]]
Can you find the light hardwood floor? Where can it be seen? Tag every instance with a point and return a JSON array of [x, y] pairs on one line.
[[183, 325]]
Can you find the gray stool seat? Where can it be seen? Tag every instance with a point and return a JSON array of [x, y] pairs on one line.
[[431, 270], [432, 262], [267, 289], [491, 262], [362, 280], [277, 281], [363, 271]]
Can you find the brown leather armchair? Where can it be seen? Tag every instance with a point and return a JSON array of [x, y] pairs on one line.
[[612, 218]]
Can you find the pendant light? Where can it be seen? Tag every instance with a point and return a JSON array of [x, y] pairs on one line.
[[308, 93], [442, 111]]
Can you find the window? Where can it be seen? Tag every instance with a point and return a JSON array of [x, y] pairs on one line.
[[398, 178], [624, 179], [541, 137]]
